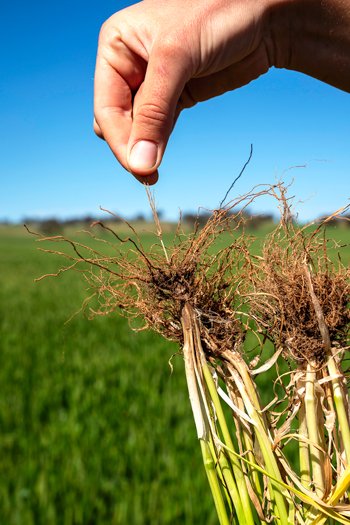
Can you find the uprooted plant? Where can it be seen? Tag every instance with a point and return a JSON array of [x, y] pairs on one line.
[[210, 300]]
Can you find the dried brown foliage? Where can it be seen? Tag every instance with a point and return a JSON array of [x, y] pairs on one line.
[[281, 302], [153, 287], [218, 282]]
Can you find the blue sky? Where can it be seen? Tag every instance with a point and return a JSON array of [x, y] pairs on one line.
[[51, 163]]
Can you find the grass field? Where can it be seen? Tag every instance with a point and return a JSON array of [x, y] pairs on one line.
[[103, 436]]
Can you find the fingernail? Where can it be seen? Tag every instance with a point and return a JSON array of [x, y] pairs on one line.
[[143, 155]]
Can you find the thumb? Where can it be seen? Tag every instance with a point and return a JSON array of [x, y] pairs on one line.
[[156, 108]]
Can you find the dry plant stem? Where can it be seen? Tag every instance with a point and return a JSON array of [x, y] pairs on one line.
[[208, 454], [248, 393], [312, 408], [338, 492], [341, 487], [277, 499], [309, 499], [238, 495], [209, 463], [248, 444], [304, 456], [156, 219], [248, 382], [334, 372], [237, 485], [244, 511], [191, 379]]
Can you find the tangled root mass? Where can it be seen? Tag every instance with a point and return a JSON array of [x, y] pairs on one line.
[[230, 289]]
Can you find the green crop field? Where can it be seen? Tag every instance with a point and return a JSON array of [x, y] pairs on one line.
[[102, 434]]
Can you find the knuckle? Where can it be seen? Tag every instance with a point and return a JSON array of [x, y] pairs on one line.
[[110, 32], [170, 45], [175, 49], [152, 114], [105, 29]]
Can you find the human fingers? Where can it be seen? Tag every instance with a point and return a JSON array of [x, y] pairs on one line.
[[148, 55], [155, 106], [113, 110]]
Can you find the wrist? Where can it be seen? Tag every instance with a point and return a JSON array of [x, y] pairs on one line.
[[311, 37]]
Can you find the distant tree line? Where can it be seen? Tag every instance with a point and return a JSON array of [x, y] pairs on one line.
[[253, 221], [53, 225], [341, 221]]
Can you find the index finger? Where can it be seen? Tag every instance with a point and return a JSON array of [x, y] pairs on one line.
[[113, 108]]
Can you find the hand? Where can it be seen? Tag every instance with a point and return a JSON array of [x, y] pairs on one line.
[[159, 57]]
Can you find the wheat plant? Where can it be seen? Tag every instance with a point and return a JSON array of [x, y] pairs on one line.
[[224, 306]]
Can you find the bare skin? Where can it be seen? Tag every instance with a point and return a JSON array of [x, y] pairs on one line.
[[159, 57]]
